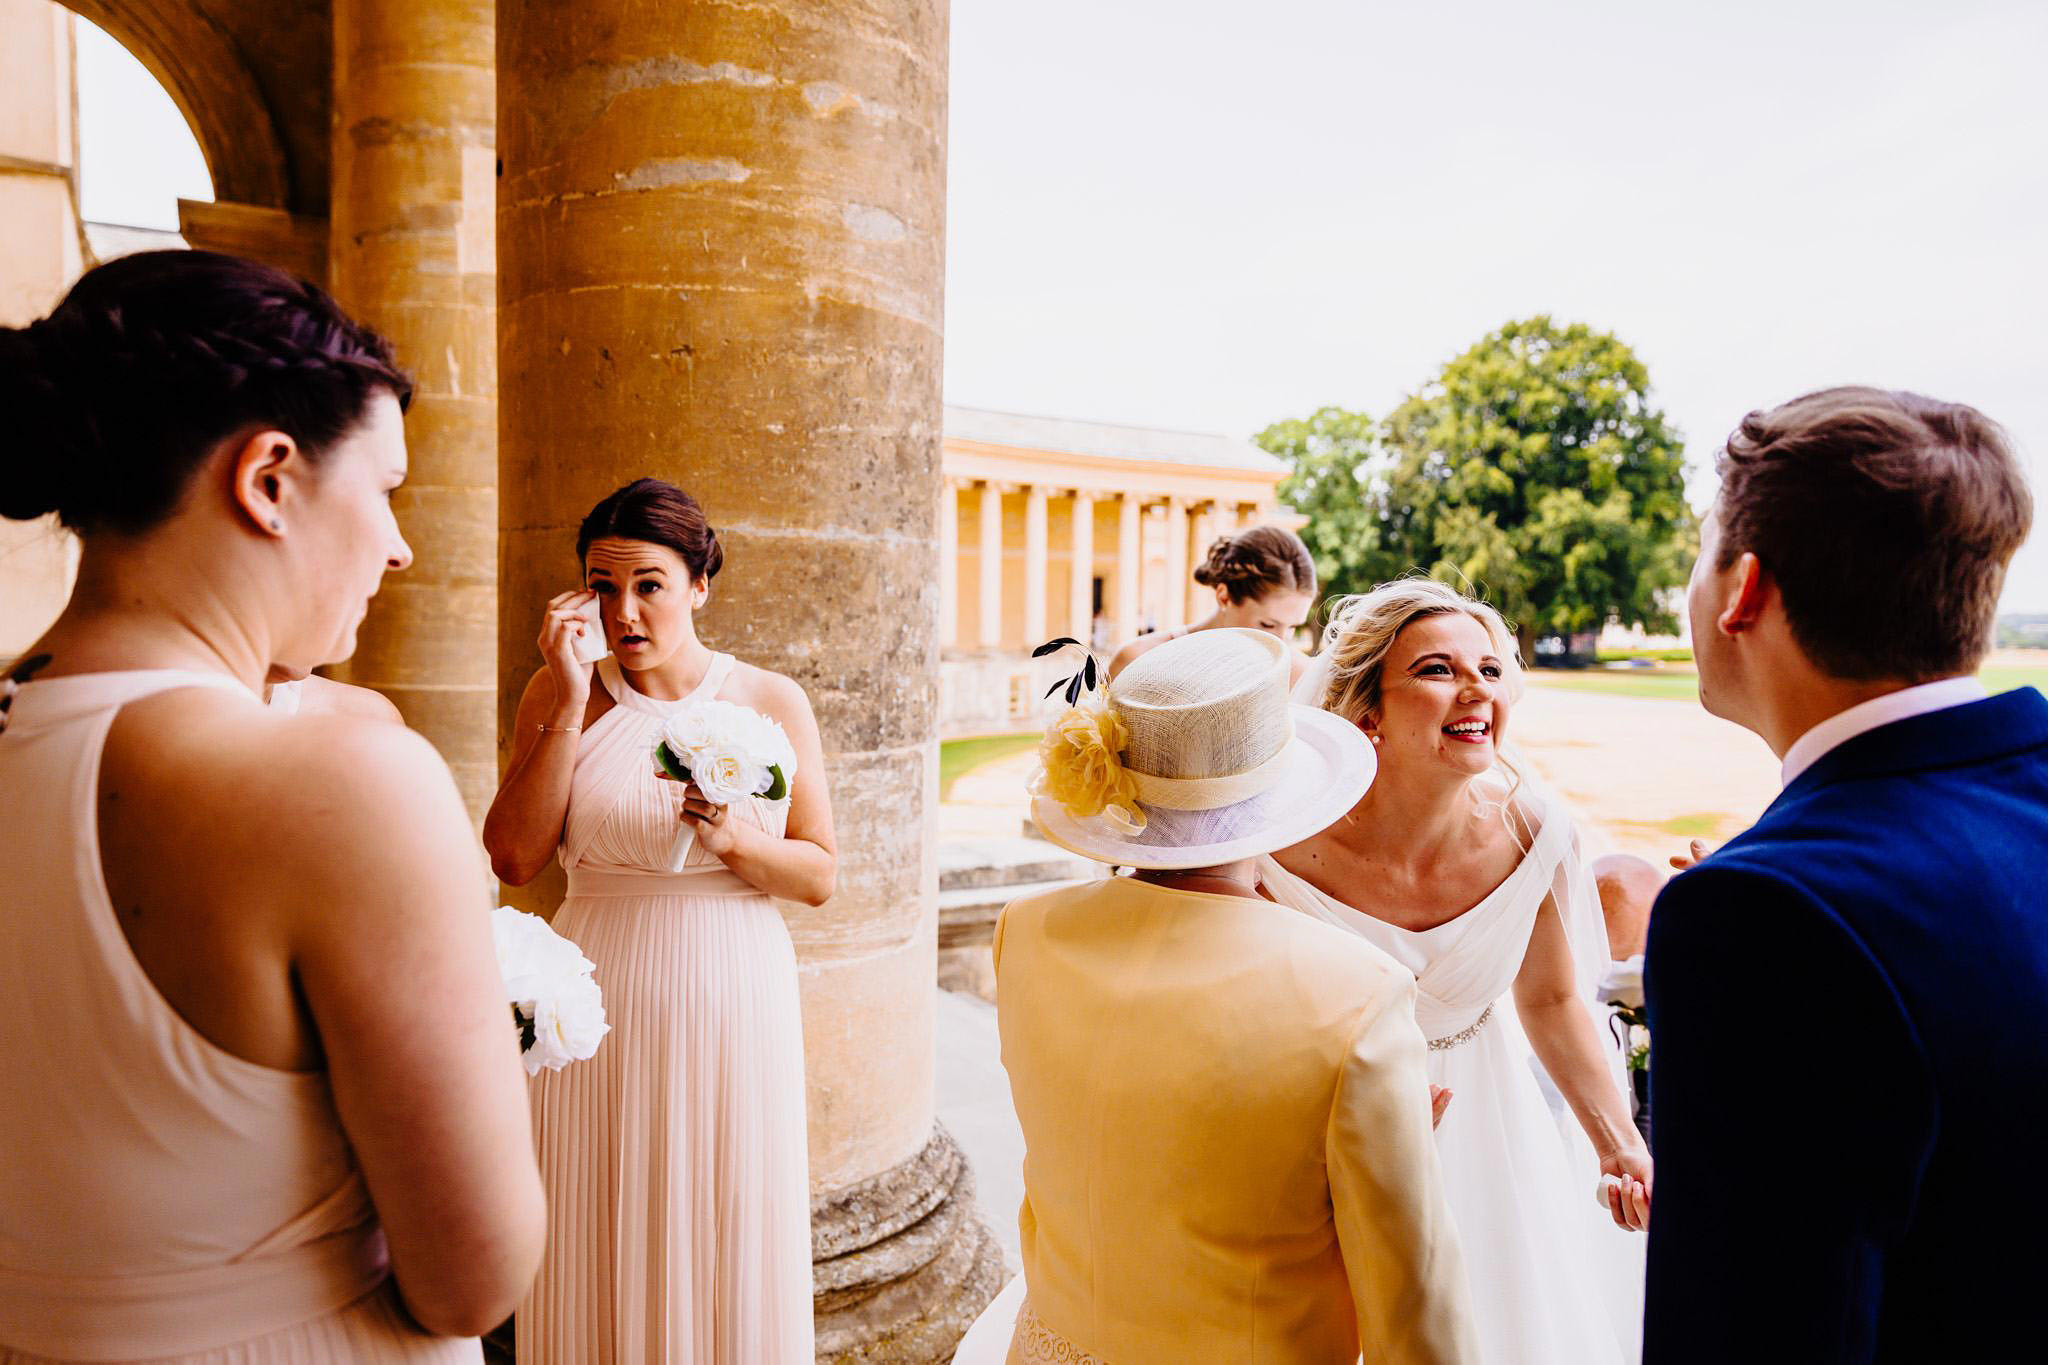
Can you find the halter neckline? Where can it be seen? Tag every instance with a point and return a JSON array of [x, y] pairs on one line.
[[626, 695]]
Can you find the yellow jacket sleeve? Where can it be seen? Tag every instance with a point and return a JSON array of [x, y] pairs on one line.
[[1400, 1249]]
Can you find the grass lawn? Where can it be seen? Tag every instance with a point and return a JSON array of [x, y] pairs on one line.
[[958, 756], [1677, 685]]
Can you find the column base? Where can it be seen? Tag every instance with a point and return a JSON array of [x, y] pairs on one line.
[[902, 1264]]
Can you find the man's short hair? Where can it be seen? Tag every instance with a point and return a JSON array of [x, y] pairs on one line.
[[1886, 520]]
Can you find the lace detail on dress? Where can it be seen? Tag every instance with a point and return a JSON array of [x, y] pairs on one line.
[[1043, 1346]]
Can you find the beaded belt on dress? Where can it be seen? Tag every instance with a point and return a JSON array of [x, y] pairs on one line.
[[1038, 1344], [1463, 1035]]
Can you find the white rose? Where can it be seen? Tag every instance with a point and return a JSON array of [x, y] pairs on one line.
[[726, 776], [1622, 983], [691, 729], [532, 957], [567, 1026]]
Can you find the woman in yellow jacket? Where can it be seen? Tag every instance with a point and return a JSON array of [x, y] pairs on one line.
[[1225, 1113]]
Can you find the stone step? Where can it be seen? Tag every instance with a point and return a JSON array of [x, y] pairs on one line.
[[965, 863], [967, 915]]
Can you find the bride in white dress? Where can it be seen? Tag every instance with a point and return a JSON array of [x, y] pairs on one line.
[[1470, 875]]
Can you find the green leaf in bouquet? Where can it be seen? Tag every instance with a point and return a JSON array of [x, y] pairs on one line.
[[778, 785], [670, 764]]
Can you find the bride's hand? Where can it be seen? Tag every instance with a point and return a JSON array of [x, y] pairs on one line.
[[1628, 1201], [1439, 1100]]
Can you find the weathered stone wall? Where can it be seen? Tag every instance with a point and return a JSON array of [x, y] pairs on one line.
[[411, 245], [721, 251]]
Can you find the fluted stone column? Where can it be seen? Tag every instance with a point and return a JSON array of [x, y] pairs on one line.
[[1130, 547], [1081, 588], [1203, 528], [411, 252], [721, 237], [990, 563], [949, 564], [1174, 601], [1035, 565]]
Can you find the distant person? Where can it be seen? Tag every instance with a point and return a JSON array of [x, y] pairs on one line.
[[1628, 886], [264, 1096], [1877, 1195], [1263, 579]]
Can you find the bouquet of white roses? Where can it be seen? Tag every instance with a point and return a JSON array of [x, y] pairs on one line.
[[729, 751], [556, 1004]]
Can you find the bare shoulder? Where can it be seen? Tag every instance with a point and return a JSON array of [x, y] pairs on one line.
[[324, 696], [771, 693], [1130, 652], [223, 779]]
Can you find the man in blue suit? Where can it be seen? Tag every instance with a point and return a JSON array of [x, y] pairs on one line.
[[1849, 1002]]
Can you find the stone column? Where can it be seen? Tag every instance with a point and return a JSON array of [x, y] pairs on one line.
[[411, 252], [949, 564], [1129, 565], [1173, 603], [722, 261], [1205, 527], [1035, 566], [990, 560], [1081, 599]]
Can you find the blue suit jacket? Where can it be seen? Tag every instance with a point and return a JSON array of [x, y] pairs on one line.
[[1849, 1059]]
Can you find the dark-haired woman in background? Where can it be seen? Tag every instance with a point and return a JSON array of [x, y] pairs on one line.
[[1264, 580], [675, 1159], [255, 1033]]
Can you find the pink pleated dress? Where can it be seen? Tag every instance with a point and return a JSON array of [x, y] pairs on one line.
[[675, 1159], [160, 1199]]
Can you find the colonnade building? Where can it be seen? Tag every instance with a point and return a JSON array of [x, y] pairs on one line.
[[1050, 527]]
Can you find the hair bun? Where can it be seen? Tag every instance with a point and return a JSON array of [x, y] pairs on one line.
[[32, 457]]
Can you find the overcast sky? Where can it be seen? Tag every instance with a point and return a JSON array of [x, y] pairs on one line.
[[1187, 213]]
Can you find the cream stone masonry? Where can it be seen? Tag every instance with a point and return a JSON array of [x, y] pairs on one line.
[[412, 253], [1095, 514], [721, 256], [46, 250]]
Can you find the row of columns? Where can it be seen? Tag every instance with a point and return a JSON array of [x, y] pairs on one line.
[[1190, 528]]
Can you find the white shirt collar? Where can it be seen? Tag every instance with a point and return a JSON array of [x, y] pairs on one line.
[[1844, 726]]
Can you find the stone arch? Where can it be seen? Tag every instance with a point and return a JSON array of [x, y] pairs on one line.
[[205, 75]]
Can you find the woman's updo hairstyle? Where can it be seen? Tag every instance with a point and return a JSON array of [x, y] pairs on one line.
[[116, 398], [660, 513], [1257, 563]]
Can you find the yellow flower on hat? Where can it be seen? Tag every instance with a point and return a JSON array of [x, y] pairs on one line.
[[1082, 768]]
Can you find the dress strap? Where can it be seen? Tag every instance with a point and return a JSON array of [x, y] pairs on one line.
[[608, 674], [714, 678]]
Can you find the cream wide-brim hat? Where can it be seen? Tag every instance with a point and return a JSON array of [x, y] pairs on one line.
[[1312, 767]]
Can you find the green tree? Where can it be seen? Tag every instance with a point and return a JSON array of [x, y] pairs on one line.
[[1535, 468], [1336, 456]]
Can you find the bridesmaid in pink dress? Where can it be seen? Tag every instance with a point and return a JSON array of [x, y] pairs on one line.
[[675, 1159], [264, 1104]]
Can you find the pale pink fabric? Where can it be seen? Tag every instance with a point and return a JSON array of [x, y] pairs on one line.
[[675, 1159], [160, 1199]]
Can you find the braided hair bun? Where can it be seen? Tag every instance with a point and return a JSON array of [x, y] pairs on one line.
[[1257, 563], [151, 361]]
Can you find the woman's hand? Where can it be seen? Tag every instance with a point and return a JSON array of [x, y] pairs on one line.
[[717, 832], [1439, 1100], [562, 625], [1692, 856], [1628, 1199]]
